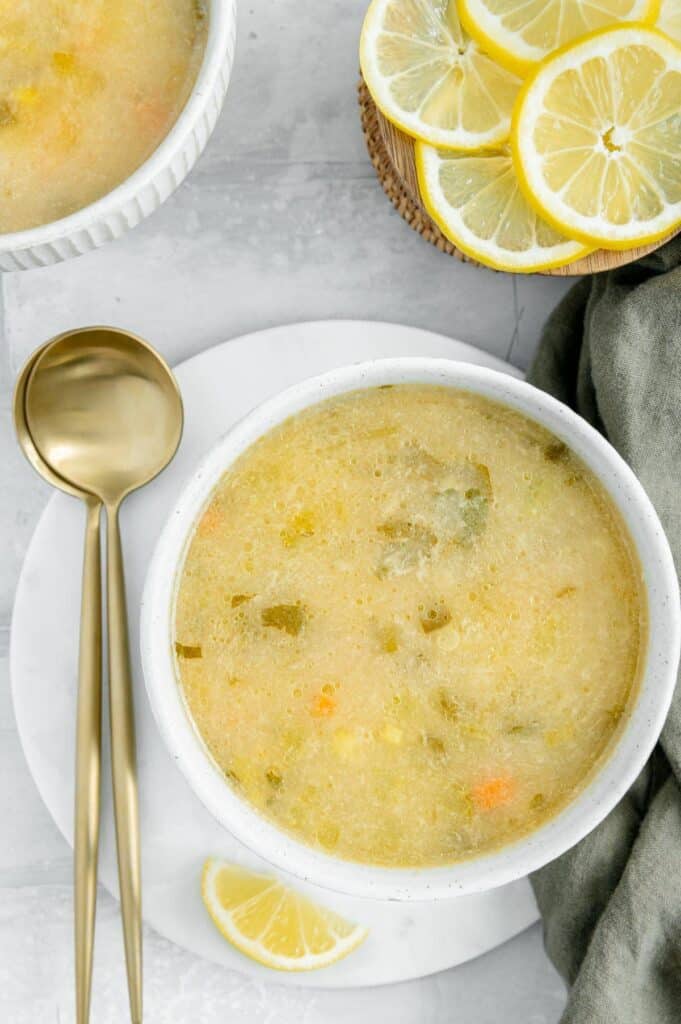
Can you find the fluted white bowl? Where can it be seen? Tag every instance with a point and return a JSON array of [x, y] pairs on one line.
[[151, 184]]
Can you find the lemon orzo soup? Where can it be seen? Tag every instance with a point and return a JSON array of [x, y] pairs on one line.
[[408, 625], [88, 90]]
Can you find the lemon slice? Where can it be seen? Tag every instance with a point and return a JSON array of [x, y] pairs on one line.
[[597, 138], [273, 924], [669, 19], [476, 201], [430, 79], [520, 33]]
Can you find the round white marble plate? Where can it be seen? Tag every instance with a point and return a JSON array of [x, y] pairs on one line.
[[218, 387]]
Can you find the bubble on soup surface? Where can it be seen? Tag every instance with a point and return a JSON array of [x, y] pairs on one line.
[[436, 617]]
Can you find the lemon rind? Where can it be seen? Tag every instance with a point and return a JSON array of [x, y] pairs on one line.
[[506, 58], [524, 65]]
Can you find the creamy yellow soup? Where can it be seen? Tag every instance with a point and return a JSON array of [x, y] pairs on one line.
[[408, 625], [88, 89]]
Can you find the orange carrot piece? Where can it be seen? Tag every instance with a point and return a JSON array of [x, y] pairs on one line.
[[152, 115], [323, 706], [210, 521], [492, 793]]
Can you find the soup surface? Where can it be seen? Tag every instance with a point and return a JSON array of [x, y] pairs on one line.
[[408, 624], [88, 89]]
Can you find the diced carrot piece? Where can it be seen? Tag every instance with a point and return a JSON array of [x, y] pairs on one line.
[[493, 793], [210, 521], [152, 115], [323, 706]]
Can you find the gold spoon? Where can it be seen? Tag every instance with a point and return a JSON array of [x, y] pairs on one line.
[[105, 413], [89, 711]]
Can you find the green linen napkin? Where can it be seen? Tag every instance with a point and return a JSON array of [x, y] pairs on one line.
[[611, 906]]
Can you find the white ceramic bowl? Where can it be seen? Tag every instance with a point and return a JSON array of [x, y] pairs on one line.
[[151, 184], [527, 854]]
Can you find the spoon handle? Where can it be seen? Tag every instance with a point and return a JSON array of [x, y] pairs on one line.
[[123, 763], [88, 760]]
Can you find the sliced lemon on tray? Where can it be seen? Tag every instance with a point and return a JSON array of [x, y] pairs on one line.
[[272, 923], [597, 135], [669, 19], [520, 33], [431, 79], [476, 201]]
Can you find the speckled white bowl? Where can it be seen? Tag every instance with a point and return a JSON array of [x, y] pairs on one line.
[[615, 775], [151, 184]]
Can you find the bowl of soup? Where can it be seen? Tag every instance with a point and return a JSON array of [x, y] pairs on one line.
[[412, 629], [105, 107]]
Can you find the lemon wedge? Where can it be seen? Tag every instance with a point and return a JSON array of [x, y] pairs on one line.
[[431, 79], [669, 19], [520, 33], [597, 136], [271, 923], [476, 201]]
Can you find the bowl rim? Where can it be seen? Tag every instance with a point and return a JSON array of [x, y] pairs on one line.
[[221, 25], [608, 783]]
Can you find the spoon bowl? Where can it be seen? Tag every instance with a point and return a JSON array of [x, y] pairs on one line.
[[104, 410]]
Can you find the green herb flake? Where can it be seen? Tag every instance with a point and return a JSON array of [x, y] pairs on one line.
[[447, 706], [556, 451], [435, 745], [273, 777], [188, 651], [7, 117], [287, 617]]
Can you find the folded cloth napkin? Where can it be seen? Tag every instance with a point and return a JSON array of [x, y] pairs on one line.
[[611, 906]]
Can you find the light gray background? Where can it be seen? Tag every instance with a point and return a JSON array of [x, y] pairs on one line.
[[282, 220]]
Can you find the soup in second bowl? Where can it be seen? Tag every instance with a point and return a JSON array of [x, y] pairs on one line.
[[87, 92], [408, 625]]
